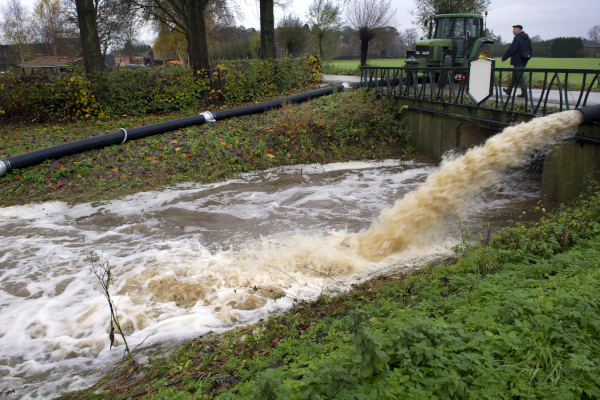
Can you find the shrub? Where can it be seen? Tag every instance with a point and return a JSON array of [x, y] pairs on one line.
[[149, 90], [245, 80], [45, 98], [345, 122]]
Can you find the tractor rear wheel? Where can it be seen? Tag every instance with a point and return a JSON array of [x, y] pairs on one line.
[[484, 52]]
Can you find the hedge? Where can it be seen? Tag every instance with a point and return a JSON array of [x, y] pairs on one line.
[[117, 91]]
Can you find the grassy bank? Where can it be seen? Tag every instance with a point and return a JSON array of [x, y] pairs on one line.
[[515, 318], [345, 126]]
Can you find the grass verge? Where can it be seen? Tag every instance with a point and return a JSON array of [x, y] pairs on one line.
[[515, 318], [345, 126]]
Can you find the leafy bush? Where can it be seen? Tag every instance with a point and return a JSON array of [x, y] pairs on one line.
[[20, 98], [246, 80], [48, 98], [344, 121], [148, 90]]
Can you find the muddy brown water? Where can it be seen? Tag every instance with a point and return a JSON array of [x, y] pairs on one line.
[[185, 257]]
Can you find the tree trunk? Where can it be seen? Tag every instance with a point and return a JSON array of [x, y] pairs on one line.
[[196, 36], [90, 42], [321, 44], [364, 48], [267, 29]]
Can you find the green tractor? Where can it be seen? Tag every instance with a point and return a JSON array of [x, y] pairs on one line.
[[453, 40]]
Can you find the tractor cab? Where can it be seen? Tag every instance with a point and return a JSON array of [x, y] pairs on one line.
[[452, 40]]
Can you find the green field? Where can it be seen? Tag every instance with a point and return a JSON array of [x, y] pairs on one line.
[[559, 63], [351, 66]]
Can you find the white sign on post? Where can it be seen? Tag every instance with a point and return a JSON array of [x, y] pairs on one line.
[[480, 79]]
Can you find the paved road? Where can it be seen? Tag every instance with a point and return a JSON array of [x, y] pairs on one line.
[[553, 97]]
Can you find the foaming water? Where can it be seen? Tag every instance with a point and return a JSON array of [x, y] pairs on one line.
[[414, 218], [186, 260]]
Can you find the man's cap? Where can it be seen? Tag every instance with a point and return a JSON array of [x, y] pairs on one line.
[[518, 26]]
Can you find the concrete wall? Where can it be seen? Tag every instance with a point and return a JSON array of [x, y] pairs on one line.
[[570, 165], [443, 127]]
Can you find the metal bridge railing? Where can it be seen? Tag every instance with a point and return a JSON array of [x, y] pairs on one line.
[[547, 90]]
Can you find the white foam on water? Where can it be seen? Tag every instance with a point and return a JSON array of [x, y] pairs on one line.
[[186, 261]]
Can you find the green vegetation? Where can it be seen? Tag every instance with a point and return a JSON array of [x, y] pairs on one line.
[[139, 91], [516, 317], [345, 126]]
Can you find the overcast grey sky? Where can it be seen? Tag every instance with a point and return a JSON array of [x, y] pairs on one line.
[[547, 18]]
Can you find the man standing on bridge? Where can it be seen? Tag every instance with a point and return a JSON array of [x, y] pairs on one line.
[[519, 53]]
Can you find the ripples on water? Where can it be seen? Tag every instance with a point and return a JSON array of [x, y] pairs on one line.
[[183, 256]]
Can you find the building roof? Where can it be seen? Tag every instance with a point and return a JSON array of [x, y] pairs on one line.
[[50, 62]]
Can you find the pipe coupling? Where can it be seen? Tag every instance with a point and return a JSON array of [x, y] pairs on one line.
[[346, 86], [3, 167], [208, 116], [590, 113], [125, 132]]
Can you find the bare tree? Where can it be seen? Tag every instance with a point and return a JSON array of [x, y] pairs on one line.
[[427, 8], [367, 18], [51, 23], [594, 34], [410, 36], [325, 17], [16, 28], [536, 38], [116, 21]]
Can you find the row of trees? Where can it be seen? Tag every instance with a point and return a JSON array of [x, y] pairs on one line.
[[183, 25], [561, 47], [53, 22], [366, 18]]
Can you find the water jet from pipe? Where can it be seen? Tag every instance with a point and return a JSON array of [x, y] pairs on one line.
[[422, 211]]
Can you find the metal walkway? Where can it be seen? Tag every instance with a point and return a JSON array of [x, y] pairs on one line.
[[548, 90]]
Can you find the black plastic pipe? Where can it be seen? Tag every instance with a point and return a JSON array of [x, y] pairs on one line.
[[122, 135], [590, 113]]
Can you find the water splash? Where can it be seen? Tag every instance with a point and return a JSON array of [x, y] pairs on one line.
[[420, 213], [188, 259]]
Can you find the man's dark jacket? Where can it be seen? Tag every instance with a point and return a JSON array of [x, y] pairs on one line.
[[518, 46]]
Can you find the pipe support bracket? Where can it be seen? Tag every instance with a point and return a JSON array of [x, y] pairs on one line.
[[208, 116]]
